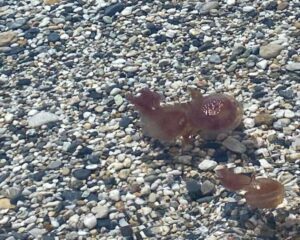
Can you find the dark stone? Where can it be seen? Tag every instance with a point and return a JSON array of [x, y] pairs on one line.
[[205, 46], [185, 47], [113, 9], [53, 37], [71, 195], [84, 151], [94, 134], [287, 94], [252, 14], [174, 20], [81, 174], [211, 144], [110, 182], [38, 176], [271, 6], [238, 51], [94, 94], [164, 156], [160, 38], [124, 122], [105, 222], [3, 155], [24, 82], [205, 199], [268, 22], [292, 52], [258, 79], [126, 231], [16, 50], [228, 208], [18, 197], [152, 28], [259, 92], [59, 207], [68, 9], [94, 159], [93, 197], [220, 156], [194, 189], [255, 50], [31, 33], [69, 64], [3, 177], [196, 42]]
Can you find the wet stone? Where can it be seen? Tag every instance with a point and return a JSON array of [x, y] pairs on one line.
[[23, 82], [124, 122], [53, 37], [113, 9], [194, 189], [38, 176], [126, 231], [81, 174], [84, 151], [287, 94], [71, 195]]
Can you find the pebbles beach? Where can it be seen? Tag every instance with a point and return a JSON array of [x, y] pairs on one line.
[[74, 163]]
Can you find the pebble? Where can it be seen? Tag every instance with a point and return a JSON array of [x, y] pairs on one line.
[[113, 9], [294, 66], [207, 187], [127, 11], [216, 59], [281, 123], [90, 221], [152, 197], [53, 37], [6, 38], [37, 232], [81, 174], [194, 189], [207, 165], [289, 114], [231, 2], [206, 7], [114, 195], [42, 118], [234, 145], [118, 100], [270, 50], [8, 117], [100, 211], [262, 64], [247, 9], [55, 164], [131, 69], [263, 118], [51, 2], [265, 164], [5, 203], [249, 122]]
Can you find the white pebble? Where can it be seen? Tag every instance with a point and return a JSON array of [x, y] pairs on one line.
[[249, 122], [289, 114], [90, 221], [207, 164], [8, 117], [114, 195], [265, 164]]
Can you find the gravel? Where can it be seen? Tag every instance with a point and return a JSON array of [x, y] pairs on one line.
[[74, 161]]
